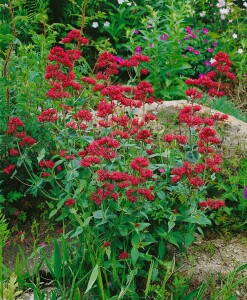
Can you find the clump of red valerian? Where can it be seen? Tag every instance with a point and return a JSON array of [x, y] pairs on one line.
[[212, 204], [215, 83], [209, 160]]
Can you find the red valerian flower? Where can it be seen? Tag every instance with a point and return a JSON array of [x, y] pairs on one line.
[[89, 161], [84, 115], [181, 139], [144, 71], [196, 181], [143, 134], [75, 35], [106, 244], [105, 109], [9, 169], [139, 162], [89, 80], [169, 138], [130, 195], [47, 164], [16, 122], [213, 204], [193, 94], [27, 140], [124, 255], [13, 152], [48, 115], [13, 124], [45, 174], [69, 202], [147, 193]]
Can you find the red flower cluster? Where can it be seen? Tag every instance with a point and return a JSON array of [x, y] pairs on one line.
[[13, 124], [134, 61], [27, 140], [59, 71], [206, 82], [69, 202], [13, 152], [9, 169], [113, 181], [124, 255], [193, 94], [75, 35], [181, 139], [49, 115], [190, 171], [106, 244], [104, 193], [213, 204], [49, 164], [108, 62]]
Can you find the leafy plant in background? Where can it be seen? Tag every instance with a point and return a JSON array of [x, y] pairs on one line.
[[4, 235], [159, 37]]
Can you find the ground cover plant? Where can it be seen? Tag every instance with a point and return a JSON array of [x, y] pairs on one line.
[[123, 186]]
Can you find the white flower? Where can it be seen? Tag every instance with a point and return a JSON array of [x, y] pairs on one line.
[[202, 14], [224, 11], [223, 17], [234, 35], [212, 60], [95, 24], [245, 4], [106, 24], [122, 1], [240, 51], [221, 3]]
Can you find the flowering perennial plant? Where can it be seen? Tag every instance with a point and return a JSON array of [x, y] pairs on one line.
[[104, 173], [212, 82]]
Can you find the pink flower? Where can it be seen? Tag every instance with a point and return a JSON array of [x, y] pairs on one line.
[[196, 52]]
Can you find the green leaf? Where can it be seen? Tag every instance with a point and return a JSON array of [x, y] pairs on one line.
[[2, 199], [72, 175], [92, 278], [98, 214], [135, 241], [78, 231], [134, 255], [57, 261], [161, 195], [41, 155], [143, 226], [123, 230], [14, 196], [171, 224], [52, 213], [189, 239], [161, 249], [6, 37]]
